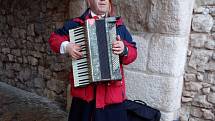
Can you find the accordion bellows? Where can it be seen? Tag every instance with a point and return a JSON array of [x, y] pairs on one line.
[[98, 62]]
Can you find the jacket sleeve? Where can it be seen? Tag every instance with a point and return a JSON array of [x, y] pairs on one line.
[[61, 35], [129, 43]]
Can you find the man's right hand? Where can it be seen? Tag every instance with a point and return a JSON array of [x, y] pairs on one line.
[[74, 50]]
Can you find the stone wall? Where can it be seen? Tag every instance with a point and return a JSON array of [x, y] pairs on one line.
[[198, 100], [161, 29], [157, 75], [26, 60]]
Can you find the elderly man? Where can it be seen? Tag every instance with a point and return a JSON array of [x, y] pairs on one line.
[[102, 101]]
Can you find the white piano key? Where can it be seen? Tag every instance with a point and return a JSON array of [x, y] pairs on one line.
[[79, 37]]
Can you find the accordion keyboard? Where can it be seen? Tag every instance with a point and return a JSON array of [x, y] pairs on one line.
[[80, 66]]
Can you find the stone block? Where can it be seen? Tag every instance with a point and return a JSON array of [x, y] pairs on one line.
[[199, 59], [133, 12], [206, 91], [212, 88], [6, 50], [163, 93], [210, 77], [204, 2], [33, 61], [200, 10], [189, 77], [196, 112], [198, 40], [202, 23], [211, 98], [31, 30], [169, 116], [56, 85], [39, 83], [201, 101], [76, 8], [195, 119], [208, 114], [193, 86], [167, 55], [16, 52], [170, 17], [210, 44], [184, 113], [142, 43], [189, 94], [186, 99]]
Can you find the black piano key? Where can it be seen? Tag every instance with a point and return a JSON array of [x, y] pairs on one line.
[[82, 67], [83, 75], [81, 63], [85, 54], [79, 28], [81, 38], [83, 49], [78, 31], [82, 58], [77, 42], [84, 83], [78, 34], [83, 46], [83, 72], [84, 79]]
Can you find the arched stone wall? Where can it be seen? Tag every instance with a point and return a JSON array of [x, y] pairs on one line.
[[160, 28]]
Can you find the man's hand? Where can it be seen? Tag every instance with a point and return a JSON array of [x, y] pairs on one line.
[[74, 50], [118, 46]]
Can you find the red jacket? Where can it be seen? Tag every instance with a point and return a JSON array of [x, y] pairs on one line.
[[106, 93]]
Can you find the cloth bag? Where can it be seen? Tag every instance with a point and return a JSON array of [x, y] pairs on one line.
[[138, 110]]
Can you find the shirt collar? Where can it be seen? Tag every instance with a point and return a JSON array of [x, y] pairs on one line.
[[93, 14]]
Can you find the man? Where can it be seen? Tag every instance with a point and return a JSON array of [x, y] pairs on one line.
[[102, 101]]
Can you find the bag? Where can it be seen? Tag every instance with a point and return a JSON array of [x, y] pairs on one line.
[[138, 110]]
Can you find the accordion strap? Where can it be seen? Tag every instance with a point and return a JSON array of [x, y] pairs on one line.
[[140, 101]]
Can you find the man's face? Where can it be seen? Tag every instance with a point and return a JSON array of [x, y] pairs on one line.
[[99, 6]]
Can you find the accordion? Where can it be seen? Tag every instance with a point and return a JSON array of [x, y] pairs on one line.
[[98, 63]]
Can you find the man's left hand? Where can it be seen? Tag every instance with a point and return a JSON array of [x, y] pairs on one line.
[[118, 46]]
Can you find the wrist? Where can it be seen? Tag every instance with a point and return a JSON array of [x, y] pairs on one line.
[[125, 52]]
